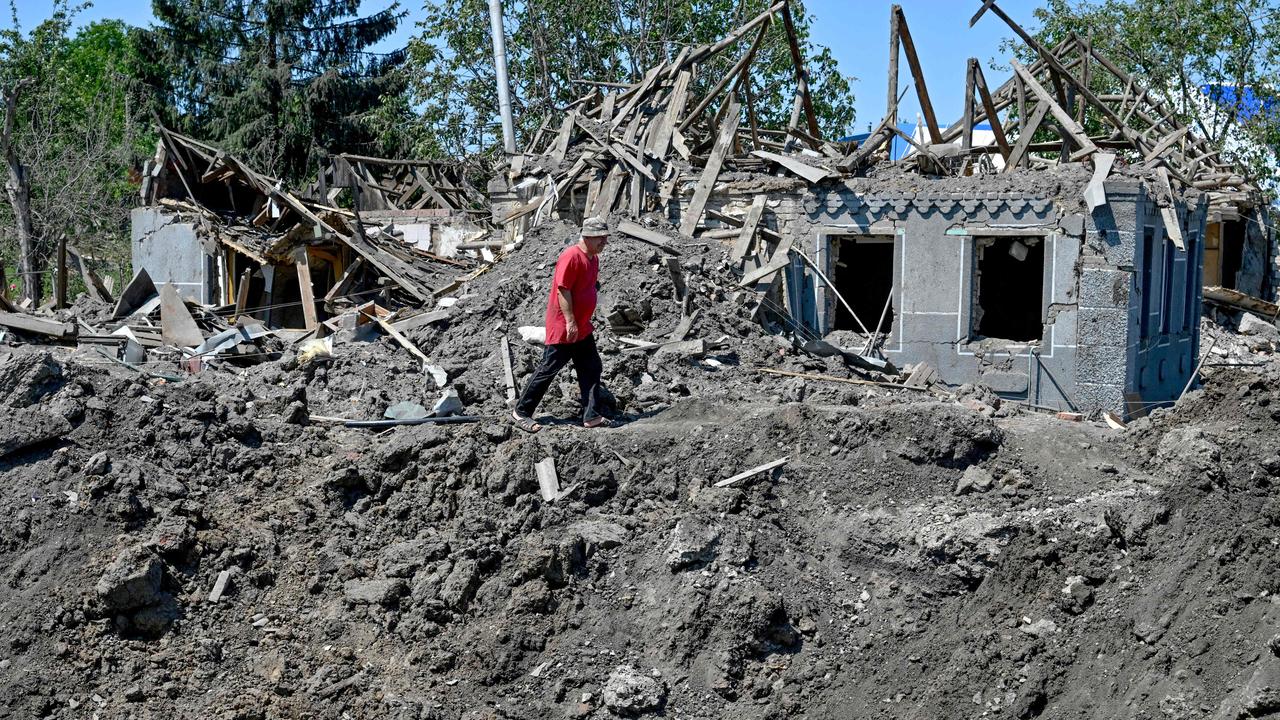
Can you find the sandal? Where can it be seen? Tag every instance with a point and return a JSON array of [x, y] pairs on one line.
[[595, 422], [525, 423]]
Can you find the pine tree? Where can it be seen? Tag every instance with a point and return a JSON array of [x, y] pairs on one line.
[[278, 82]]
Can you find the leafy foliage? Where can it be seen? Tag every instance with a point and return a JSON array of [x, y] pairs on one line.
[[76, 133], [550, 56], [1193, 54], [279, 82]]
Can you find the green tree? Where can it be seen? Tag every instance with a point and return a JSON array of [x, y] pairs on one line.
[[279, 82], [1193, 54], [553, 48], [71, 136]]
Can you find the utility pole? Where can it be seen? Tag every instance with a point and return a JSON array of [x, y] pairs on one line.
[[500, 65]]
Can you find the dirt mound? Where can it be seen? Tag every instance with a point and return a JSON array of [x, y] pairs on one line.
[[194, 549]]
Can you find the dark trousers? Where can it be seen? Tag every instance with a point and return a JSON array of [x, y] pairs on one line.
[[586, 363]]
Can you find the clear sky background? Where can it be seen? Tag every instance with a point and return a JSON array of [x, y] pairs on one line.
[[857, 31]]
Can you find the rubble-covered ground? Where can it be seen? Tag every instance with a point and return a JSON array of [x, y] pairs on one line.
[[200, 548]]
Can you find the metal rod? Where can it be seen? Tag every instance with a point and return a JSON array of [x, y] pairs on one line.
[[836, 292], [875, 335], [1194, 373], [500, 66]]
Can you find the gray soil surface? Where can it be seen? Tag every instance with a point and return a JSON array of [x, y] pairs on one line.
[[199, 549]]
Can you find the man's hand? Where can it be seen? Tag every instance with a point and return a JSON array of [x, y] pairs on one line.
[[571, 331]]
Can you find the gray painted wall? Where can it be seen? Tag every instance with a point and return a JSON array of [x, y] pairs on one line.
[[1092, 353], [171, 252]]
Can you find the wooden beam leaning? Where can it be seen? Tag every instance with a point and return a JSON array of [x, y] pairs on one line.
[[719, 87], [1057, 66], [891, 104], [1029, 128], [989, 107], [242, 293], [917, 76], [748, 231], [1068, 123], [698, 203], [303, 265], [966, 134], [802, 75]]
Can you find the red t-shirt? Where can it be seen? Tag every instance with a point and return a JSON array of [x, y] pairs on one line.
[[576, 273]]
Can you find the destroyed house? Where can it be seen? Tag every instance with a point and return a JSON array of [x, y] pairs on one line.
[[367, 230], [1013, 248]]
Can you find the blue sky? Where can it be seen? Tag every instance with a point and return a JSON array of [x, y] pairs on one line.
[[857, 31]]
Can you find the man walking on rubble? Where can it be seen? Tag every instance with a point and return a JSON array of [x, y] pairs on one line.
[[569, 332]]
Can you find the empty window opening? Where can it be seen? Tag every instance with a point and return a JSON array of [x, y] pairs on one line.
[[1146, 290], [863, 275], [1190, 311], [1009, 282], [1232, 251], [1166, 285]]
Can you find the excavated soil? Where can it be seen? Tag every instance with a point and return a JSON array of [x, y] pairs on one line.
[[918, 556]]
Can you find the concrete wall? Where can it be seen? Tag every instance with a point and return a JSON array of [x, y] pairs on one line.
[[1092, 353], [1128, 237], [171, 252], [435, 231]]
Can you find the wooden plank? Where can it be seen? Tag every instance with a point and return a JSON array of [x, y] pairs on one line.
[[698, 203], [242, 294], [508, 376], [39, 326], [753, 471], [802, 75], [917, 76], [92, 283], [737, 222], [421, 319], [834, 379], [1068, 123], [661, 138], [647, 236], [562, 138], [748, 230], [60, 283], [776, 263], [548, 481], [178, 328], [989, 107], [1166, 143], [891, 103], [734, 72], [1029, 128], [966, 126], [810, 173], [302, 264]]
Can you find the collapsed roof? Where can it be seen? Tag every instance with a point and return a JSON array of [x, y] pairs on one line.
[[640, 147], [259, 218]]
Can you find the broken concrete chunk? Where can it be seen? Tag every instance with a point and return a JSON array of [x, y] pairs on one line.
[[692, 545], [29, 427], [438, 375], [1251, 324], [99, 464], [131, 581], [402, 560], [373, 592], [460, 586], [405, 410], [629, 692], [220, 586], [448, 404], [975, 479]]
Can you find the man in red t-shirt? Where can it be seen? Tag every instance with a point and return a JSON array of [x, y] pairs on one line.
[[569, 338]]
